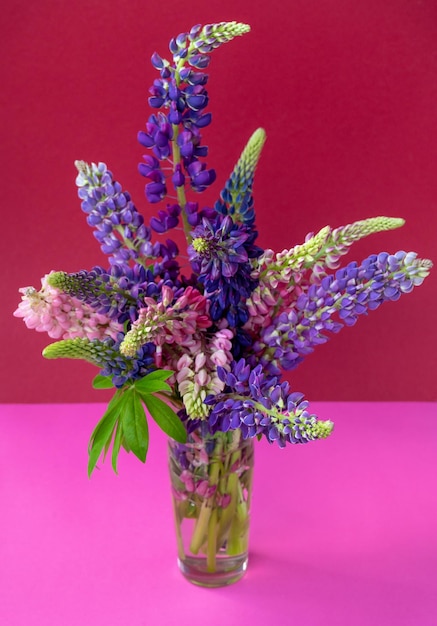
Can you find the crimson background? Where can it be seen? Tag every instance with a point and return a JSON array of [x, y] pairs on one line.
[[347, 92]]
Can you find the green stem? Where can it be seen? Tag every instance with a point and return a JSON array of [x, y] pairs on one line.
[[229, 512], [182, 199], [237, 541], [141, 260], [211, 550], [200, 530], [178, 521]]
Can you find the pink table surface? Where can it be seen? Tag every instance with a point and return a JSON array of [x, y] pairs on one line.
[[344, 531]]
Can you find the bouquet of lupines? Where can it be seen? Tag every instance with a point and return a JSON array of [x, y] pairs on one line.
[[203, 351]]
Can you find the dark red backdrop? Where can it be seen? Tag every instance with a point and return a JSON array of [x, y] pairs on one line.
[[347, 92]]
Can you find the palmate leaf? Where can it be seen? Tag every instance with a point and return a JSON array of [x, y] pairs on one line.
[[124, 423], [101, 437], [158, 375], [116, 446], [151, 386], [134, 424], [165, 417]]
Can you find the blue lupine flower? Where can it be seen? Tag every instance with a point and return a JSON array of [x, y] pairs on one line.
[[236, 198], [166, 219], [119, 227], [118, 292], [349, 293], [123, 369], [258, 405], [106, 355], [221, 254], [181, 93], [200, 177]]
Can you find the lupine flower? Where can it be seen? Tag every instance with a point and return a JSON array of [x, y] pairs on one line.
[[158, 136], [180, 95], [283, 276], [258, 405], [195, 215], [220, 253], [200, 177], [118, 226], [61, 316], [117, 292], [98, 289], [236, 198], [167, 321], [351, 292], [323, 251], [166, 219], [197, 373], [107, 356]]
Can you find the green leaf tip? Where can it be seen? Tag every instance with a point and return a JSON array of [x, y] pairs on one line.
[[134, 424], [102, 382], [101, 437], [154, 382], [165, 417]]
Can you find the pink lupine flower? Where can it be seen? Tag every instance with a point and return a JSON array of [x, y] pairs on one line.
[[168, 322], [62, 316], [187, 478], [196, 374]]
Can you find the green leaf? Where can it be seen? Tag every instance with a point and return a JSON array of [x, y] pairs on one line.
[[165, 417], [102, 434], [102, 382], [153, 382], [134, 424], [117, 445], [158, 375], [151, 386], [124, 444]]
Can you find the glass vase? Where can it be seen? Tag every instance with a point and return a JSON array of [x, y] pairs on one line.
[[211, 480]]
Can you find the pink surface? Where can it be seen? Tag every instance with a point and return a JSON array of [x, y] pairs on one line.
[[343, 531]]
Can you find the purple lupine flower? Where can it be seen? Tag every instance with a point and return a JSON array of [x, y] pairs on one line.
[[178, 178], [156, 190], [236, 198], [119, 227], [184, 101], [348, 293], [200, 177], [181, 97], [106, 355], [158, 135], [118, 292], [166, 219], [196, 215], [259, 405], [97, 289], [221, 253]]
